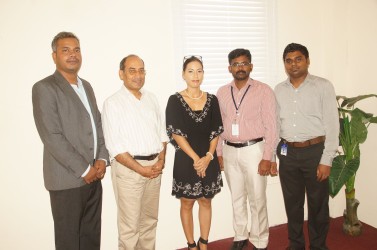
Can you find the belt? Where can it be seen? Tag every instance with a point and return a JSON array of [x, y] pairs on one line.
[[307, 143], [243, 144], [145, 157]]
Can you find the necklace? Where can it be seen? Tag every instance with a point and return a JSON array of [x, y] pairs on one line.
[[194, 98]]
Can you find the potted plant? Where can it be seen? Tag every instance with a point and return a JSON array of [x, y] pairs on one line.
[[354, 124]]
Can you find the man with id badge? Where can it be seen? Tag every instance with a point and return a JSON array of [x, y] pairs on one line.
[[246, 148], [309, 129]]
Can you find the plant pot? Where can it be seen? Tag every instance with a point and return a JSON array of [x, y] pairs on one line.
[[351, 224]]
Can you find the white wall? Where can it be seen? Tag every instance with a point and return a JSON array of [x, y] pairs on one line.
[[361, 73], [340, 36]]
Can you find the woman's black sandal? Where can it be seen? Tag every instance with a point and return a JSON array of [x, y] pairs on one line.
[[192, 245], [203, 241]]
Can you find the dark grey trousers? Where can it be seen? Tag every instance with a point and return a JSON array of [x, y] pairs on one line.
[[298, 175], [77, 217]]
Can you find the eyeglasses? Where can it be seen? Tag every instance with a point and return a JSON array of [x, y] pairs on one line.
[[240, 64], [133, 71], [192, 56], [296, 60]]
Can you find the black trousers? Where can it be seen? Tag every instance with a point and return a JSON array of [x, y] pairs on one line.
[[298, 175], [77, 217]]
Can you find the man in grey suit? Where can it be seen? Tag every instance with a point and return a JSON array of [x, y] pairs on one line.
[[74, 158]]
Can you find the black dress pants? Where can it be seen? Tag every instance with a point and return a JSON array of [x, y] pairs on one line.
[[77, 217], [298, 175]]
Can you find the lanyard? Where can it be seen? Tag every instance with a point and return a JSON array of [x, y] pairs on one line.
[[234, 101]]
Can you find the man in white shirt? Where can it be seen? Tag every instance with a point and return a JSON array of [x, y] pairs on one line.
[[135, 136]]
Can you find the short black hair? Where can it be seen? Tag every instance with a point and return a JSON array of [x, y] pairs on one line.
[[62, 35], [292, 47], [237, 53]]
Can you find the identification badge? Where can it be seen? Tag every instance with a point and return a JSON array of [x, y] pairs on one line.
[[284, 149], [235, 126], [235, 129]]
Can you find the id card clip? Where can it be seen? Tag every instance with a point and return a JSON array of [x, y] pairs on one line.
[[284, 149]]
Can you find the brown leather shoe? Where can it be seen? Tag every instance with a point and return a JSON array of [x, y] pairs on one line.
[[239, 245]]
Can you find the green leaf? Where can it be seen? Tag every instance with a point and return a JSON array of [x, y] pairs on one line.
[[373, 119], [341, 171], [338, 97], [358, 114], [349, 102], [359, 131], [356, 151]]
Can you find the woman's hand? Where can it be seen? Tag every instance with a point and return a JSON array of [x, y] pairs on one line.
[[201, 165]]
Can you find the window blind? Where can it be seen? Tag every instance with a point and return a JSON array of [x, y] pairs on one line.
[[212, 28]]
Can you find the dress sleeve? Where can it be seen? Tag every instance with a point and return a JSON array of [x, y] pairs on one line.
[[216, 121], [174, 119]]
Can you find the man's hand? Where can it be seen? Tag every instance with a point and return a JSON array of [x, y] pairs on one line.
[[264, 167], [158, 167], [91, 176], [100, 166], [323, 172], [150, 172], [221, 162], [274, 169]]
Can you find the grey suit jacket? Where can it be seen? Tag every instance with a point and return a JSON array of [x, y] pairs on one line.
[[63, 123]]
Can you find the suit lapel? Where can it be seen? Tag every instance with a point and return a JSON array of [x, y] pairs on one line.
[[66, 87]]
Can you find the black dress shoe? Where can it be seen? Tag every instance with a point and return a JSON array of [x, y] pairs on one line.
[[255, 248], [239, 245], [291, 248]]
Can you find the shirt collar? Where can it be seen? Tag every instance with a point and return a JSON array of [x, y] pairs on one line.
[[307, 79], [79, 85], [249, 82], [124, 89]]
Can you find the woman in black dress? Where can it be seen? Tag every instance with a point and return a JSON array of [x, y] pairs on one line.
[[194, 123]]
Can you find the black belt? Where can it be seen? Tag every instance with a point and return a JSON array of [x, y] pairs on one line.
[[243, 144], [145, 157]]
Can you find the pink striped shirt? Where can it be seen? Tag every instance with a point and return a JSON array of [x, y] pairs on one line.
[[257, 115]]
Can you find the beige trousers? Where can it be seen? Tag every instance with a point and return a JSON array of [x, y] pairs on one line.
[[137, 199], [241, 172]]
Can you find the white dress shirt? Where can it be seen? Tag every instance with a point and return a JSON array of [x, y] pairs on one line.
[[80, 91], [132, 125]]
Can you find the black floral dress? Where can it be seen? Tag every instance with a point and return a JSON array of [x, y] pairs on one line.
[[199, 128]]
